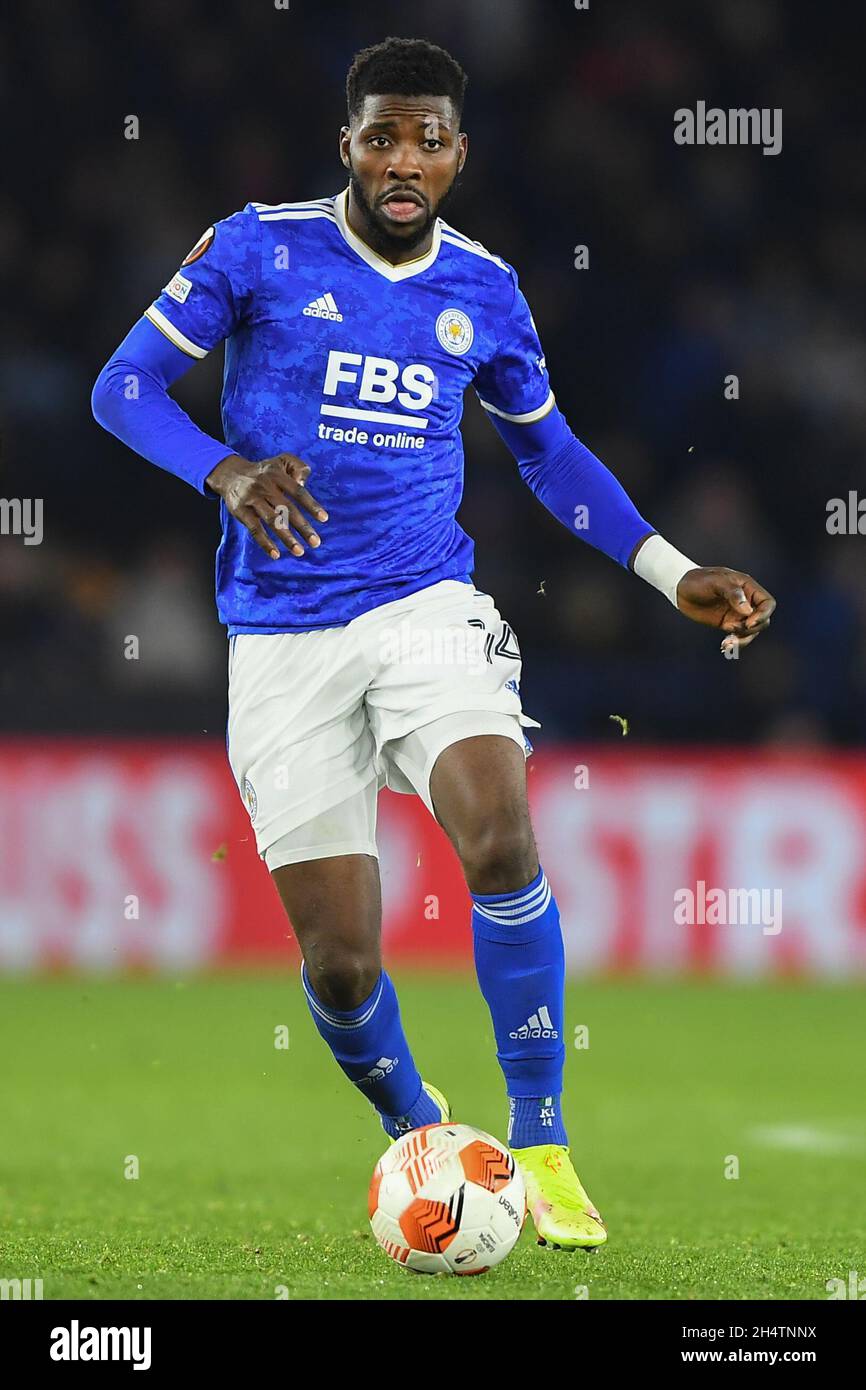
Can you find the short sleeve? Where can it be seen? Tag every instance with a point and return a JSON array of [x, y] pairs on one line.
[[210, 293], [514, 382]]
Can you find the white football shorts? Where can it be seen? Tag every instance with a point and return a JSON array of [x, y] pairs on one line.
[[319, 721]]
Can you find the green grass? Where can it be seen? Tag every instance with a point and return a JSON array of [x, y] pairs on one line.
[[254, 1162]]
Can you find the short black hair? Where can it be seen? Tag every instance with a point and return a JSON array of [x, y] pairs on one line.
[[408, 67]]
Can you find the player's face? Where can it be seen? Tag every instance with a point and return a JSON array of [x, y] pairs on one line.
[[404, 154]]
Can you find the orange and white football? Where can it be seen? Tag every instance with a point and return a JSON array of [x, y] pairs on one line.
[[447, 1199]]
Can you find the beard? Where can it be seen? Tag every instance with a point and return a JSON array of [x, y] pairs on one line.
[[379, 234]]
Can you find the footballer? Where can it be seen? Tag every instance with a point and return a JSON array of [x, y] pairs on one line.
[[360, 652]]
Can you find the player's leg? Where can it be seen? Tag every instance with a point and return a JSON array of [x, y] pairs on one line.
[[478, 793], [447, 668], [303, 756], [449, 727], [334, 905]]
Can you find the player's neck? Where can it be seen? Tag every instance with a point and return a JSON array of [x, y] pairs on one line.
[[386, 247]]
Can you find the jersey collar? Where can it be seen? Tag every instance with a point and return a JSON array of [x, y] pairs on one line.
[[376, 262]]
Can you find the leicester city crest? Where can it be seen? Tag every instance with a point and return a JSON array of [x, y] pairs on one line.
[[454, 331]]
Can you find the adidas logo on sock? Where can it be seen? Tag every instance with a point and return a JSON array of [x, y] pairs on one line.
[[382, 1068], [323, 308], [538, 1025]]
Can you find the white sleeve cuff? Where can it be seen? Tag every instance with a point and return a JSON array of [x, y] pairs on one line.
[[662, 565]]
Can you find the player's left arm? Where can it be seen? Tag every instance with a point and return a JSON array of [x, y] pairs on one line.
[[573, 484]]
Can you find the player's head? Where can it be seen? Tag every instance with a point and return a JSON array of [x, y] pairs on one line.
[[403, 145]]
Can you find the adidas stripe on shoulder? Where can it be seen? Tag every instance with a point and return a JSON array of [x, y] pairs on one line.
[[465, 243], [287, 212]]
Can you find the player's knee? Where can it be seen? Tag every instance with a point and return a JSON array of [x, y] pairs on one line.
[[342, 979], [498, 855]]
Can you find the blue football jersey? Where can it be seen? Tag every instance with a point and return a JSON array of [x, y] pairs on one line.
[[359, 367]]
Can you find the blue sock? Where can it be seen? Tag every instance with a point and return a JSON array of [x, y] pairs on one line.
[[520, 962], [369, 1044], [535, 1120]]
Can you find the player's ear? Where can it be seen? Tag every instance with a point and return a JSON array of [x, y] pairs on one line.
[[345, 140], [463, 146]]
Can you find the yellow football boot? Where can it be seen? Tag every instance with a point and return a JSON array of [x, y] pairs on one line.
[[563, 1214]]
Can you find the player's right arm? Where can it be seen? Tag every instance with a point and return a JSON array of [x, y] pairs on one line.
[[203, 304]]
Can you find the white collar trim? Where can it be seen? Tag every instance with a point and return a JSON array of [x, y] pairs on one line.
[[376, 262]]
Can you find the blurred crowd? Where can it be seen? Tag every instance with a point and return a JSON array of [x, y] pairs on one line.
[[703, 263]]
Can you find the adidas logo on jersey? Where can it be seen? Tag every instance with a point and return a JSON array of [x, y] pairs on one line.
[[382, 1068], [538, 1025], [324, 308]]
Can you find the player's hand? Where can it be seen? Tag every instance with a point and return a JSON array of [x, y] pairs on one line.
[[726, 599], [269, 493]]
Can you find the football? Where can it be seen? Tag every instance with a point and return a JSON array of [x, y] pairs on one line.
[[447, 1199]]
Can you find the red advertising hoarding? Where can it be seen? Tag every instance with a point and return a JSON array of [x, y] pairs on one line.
[[139, 855]]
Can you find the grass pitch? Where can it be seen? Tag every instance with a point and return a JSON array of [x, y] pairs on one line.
[[253, 1161]]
